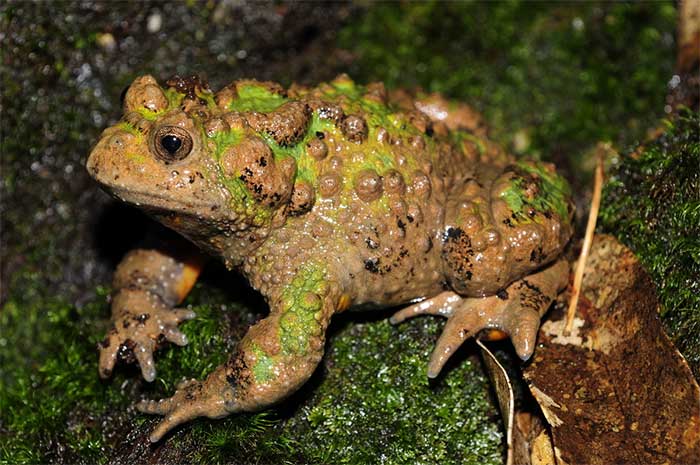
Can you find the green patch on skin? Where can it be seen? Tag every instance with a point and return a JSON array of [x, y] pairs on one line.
[[301, 308], [242, 201], [147, 114], [553, 194], [207, 96], [174, 97], [263, 370], [174, 100], [224, 140], [252, 97], [136, 157], [461, 138], [131, 129], [307, 166], [652, 204], [352, 97]]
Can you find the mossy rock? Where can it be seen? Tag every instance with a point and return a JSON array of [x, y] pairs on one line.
[[652, 204], [372, 387]]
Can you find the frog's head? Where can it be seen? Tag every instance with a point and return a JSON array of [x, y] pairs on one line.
[[183, 157]]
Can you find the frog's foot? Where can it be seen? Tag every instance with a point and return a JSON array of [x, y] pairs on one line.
[[191, 400], [516, 311], [141, 319]]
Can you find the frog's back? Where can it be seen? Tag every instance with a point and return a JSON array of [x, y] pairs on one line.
[[373, 177]]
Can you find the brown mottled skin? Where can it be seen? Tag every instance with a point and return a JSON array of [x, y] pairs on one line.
[[324, 198]]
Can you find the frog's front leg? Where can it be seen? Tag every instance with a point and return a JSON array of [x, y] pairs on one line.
[[516, 310], [276, 356], [147, 285]]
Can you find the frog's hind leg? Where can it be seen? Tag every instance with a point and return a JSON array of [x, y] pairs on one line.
[[517, 311]]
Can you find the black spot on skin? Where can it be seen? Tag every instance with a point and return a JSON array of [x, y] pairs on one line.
[[372, 265], [371, 244], [104, 343], [401, 225], [237, 373], [320, 135], [409, 218], [126, 351], [502, 294], [548, 214], [403, 253], [142, 318], [536, 256], [453, 233], [126, 324], [531, 286], [468, 275], [262, 162], [508, 223], [429, 131]]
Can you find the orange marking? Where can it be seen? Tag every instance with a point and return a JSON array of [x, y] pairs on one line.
[[493, 335], [190, 272], [343, 303]]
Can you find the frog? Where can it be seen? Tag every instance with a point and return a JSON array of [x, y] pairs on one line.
[[325, 198]]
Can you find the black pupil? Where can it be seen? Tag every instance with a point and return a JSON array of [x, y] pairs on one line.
[[171, 143]]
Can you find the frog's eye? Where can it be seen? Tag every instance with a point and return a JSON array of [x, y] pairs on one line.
[[172, 143]]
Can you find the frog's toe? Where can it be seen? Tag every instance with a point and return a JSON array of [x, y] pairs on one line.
[[176, 316], [109, 348], [175, 336], [457, 329], [192, 399], [440, 305], [472, 315], [144, 355], [522, 327]]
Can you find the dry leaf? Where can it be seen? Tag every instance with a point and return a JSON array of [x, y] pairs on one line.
[[616, 391], [504, 393]]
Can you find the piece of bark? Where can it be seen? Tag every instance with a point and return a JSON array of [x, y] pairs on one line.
[[615, 391]]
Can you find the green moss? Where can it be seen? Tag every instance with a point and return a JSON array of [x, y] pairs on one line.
[[652, 204], [375, 385], [253, 97], [49, 389]]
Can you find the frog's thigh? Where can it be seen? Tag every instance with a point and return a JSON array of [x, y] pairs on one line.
[[505, 229]]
